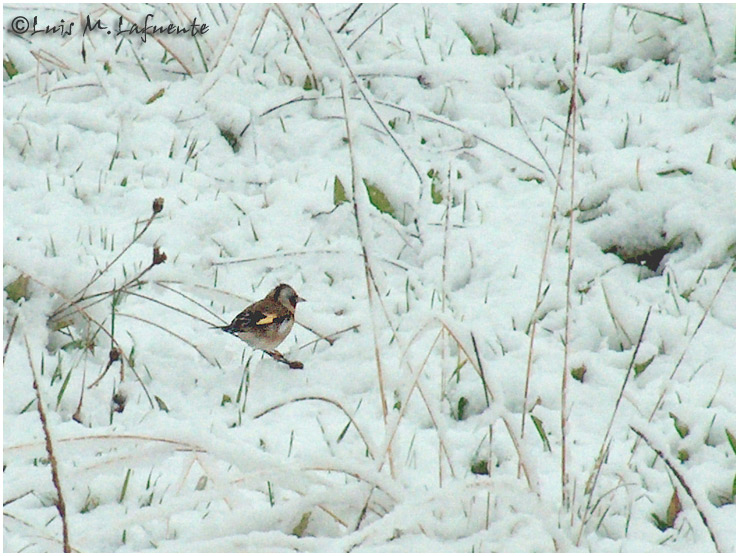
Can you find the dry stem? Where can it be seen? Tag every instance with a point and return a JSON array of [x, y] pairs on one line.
[[378, 18], [605, 445], [368, 275], [348, 19], [290, 27], [678, 475], [156, 209], [500, 408], [370, 449], [415, 114], [10, 336], [682, 355], [168, 331], [531, 329], [365, 97], [126, 15], [570, 256], [526, 133], [115, 343], [60, 504]]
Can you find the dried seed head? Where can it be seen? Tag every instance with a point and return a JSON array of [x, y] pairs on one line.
[[158, 257], [157, 205], [114, 355], [118, 403]]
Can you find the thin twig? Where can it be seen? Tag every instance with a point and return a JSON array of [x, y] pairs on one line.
[[378, 18], [605, 444], [626, 377], [157, 206], [330, 338], [184, 20], [154, 36], [371, 285], [113, 356], [59, 315], [531, 329], [10, 337], [439, 120], [36, 531], [115, 343], [161, 284], [444, 262], [708, 29], [100, 296], [168, 306], [501, 410], [59, 503], [680, 20], [115, 438], [362, 92], [290, 27], [16, 498], [563, 413], [445, 248], [301, 98], [678, 475], [404, 405], [682, 355], [616, 323], [348, 19], [368, 274], [425, 116], [289, 254], [370, 449], [526, 133], [307, 253], [168, 331], [259, 31], [354, 474], [227, 41]]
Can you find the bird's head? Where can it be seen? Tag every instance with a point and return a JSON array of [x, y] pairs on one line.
[[287, 296]]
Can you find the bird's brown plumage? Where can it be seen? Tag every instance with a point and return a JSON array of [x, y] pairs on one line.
[[266, 323]]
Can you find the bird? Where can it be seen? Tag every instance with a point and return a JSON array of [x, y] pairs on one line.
[[266, 323]]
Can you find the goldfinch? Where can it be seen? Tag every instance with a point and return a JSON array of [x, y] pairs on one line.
[[266, 323]]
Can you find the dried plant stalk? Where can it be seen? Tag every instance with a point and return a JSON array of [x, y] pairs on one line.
[[60, 504], [674, 468]]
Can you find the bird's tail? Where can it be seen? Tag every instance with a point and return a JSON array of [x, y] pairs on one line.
[[227, 328]]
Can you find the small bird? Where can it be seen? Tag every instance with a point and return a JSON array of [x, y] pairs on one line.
[[266, 323]]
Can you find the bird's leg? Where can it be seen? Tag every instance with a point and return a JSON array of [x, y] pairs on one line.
[[277, 356]]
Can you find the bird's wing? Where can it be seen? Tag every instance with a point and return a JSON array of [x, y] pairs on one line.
[[254, 319], [247, 318], [267, 318]]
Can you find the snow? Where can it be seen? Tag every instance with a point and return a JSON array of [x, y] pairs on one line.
[[219, 448]]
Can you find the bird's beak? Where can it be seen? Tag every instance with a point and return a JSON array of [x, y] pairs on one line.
[[300, 299]]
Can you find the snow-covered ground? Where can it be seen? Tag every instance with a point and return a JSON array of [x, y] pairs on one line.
[[457, 315]]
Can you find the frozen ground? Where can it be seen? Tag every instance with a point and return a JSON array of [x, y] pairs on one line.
[[220, 449]]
